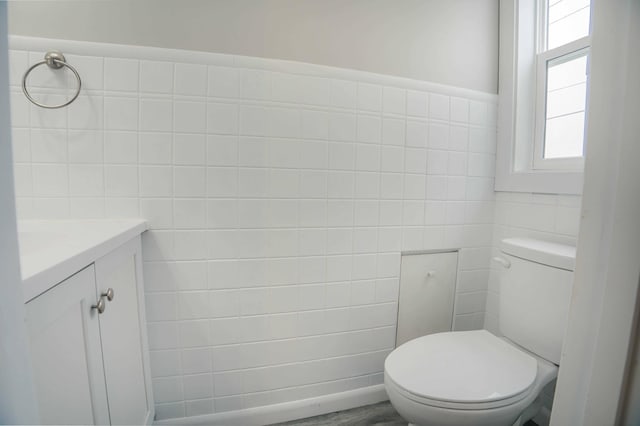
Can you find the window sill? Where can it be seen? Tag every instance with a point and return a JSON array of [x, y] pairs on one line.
[[544, 182]]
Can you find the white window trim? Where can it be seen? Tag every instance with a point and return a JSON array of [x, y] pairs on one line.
[[516, 108]]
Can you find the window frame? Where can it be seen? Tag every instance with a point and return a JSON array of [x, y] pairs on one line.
[[522, 70], [570, 51]]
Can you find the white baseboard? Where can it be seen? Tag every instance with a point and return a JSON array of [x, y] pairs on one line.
[[288, 411]]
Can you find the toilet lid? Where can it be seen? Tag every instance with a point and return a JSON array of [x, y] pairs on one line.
[[466, 367]]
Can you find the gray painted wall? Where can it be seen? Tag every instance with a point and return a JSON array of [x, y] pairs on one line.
[[18, 401], [452, 42]]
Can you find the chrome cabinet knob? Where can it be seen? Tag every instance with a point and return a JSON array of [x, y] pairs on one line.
[[108, 294], [100, 306]]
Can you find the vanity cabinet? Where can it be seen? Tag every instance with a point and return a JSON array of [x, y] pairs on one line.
[[66, 353], [89, 346]]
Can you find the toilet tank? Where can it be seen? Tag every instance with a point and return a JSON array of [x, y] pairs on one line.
[[535, 293]]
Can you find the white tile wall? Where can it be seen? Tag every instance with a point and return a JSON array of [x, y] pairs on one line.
[[544, 216], [279, 203]]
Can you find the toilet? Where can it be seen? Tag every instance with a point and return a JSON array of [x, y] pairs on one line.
[[476, 378]]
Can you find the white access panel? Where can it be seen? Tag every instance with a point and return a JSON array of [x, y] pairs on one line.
[[427, 293]]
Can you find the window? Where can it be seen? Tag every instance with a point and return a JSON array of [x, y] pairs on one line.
[[561, 83], [543, 95]]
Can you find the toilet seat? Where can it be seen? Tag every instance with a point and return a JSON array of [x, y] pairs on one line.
[[472, 370]]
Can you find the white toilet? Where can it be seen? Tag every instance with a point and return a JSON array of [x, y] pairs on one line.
[[475, 378]]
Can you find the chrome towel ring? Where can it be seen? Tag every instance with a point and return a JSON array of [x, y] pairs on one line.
[[54, 60]]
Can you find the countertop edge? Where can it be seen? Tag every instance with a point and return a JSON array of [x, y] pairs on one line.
[[47, 278]]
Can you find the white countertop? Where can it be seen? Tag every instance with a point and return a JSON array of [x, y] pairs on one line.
[[52, 250]]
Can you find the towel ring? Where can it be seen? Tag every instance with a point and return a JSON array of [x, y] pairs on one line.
[[54, 60]]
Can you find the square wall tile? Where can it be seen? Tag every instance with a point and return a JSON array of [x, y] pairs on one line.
[[368, 157], [255, 84], [189, 149], [156, 181], [86, 180], [342, 156], [48, 146], [369, 97], [41, 117], [460, 110], [224, 82], [121, 207], [393, 131], [253, 121], [121, 181], [165, 363], [86, 112], [438, 136], [417, 134], [121, 74], [342, 127], [395, 100], [284, 122], [120, 147], [190, 79], [189, 182], [222, 150], [439, 107], [158, 212], [315, 125], [189, 117], [91, 68], [156, 77], [121, 113], [223, 118], [369, 129], [478, 112], [156, 115], [343, 94], [155, 148], [222, 181], [50, 180], [417, 104]]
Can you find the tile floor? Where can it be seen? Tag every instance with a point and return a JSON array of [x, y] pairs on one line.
[[380, 414]]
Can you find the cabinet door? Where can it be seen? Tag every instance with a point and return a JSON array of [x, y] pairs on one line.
[[123, 332], [66, 354], [427, 292]]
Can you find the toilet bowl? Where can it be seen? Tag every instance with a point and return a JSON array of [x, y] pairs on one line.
[[464, 378], [476, 378]]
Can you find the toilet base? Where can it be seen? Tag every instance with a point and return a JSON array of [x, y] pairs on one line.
[[527, 415]]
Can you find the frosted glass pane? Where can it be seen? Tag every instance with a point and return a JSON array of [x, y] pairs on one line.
[[564, 136], [568, 73], [565, 112], [568, 20], [566, 101]]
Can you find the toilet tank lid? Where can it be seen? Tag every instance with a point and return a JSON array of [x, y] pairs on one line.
[[552, 254]]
